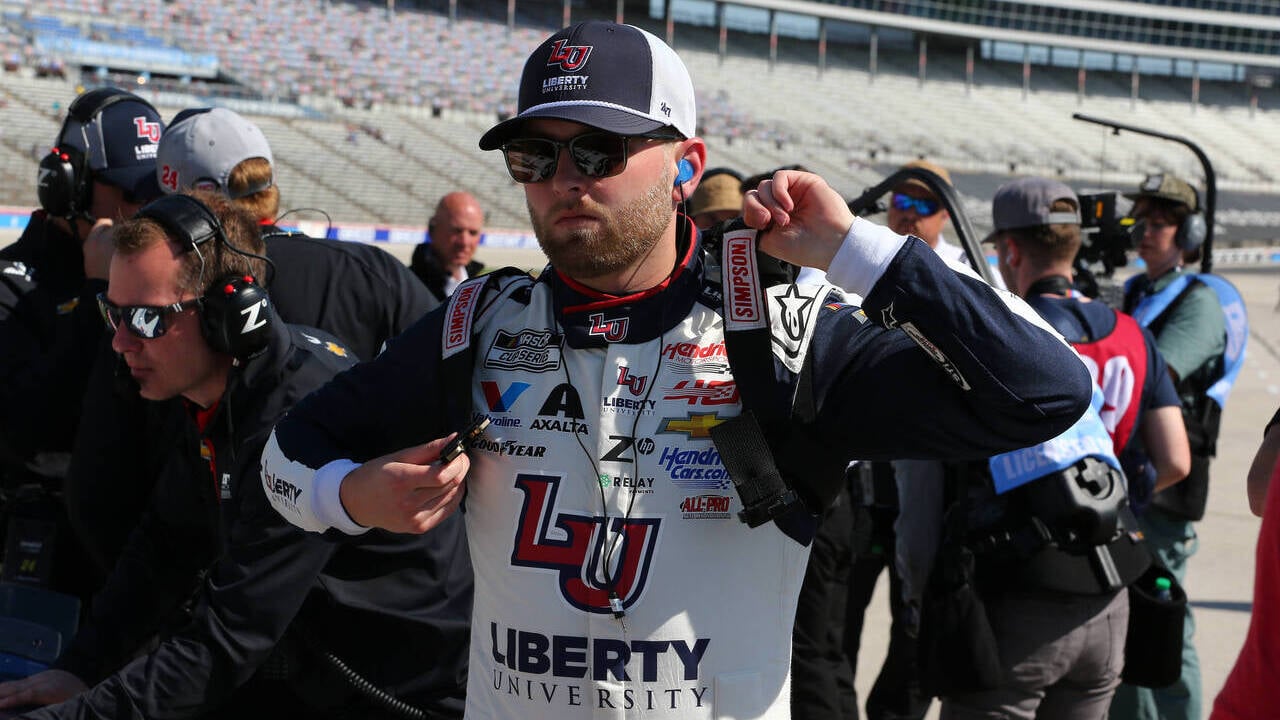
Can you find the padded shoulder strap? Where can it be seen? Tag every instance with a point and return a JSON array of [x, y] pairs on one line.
[[744, 441]]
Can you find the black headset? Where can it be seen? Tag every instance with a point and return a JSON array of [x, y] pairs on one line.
[[235, 313], [64, 183], [1191, 231]]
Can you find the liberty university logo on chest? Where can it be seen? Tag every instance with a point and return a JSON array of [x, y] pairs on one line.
[[588, 561]]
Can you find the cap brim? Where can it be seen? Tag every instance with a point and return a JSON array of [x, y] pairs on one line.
[[138, 180], [597, 116]]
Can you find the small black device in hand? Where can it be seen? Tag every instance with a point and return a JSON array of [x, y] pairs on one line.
[[463, 440]]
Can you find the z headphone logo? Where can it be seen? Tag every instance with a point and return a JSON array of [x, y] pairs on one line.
[[568, 57], [149, 131], [251, 320]]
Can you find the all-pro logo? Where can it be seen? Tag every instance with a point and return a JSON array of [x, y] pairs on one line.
[[611, 330], [570, 58], [573, 546], [149, 131]]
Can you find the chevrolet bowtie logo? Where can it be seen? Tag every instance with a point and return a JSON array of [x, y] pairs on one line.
[[696, 425]]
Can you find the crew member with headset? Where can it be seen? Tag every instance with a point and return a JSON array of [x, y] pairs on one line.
[[357, 292], [99, 171], [192, 322], [1200, 327]]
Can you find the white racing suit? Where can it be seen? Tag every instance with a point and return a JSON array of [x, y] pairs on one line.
[[612, 577]]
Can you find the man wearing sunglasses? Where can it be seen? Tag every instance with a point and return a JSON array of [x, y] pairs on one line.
[[98, 170], [192, 325], [357, 292], [612, 573]]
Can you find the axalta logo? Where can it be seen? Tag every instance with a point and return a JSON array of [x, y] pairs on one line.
[[532, 350], [457, 325], [572, 545], [705, 507], [704, 392], [695, 469], [661, 674], [569, 57]]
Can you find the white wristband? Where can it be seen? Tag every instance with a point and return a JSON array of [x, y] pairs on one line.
[[863, 257], [327, 497]]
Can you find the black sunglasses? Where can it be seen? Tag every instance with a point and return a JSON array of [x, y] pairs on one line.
[[923, 207], [146, 321], [596, 154]]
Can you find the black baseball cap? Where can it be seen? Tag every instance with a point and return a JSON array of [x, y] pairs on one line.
[[119, 142]]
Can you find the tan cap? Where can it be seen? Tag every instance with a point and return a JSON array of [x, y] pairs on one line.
[[1167, 186], [716, 193], [926, 165]]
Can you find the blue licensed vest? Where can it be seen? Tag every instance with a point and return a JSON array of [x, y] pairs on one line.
[[1153, 306], [1088, 437]]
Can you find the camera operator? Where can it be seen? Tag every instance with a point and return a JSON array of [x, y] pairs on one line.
[[1185, 313], [1052, 557]]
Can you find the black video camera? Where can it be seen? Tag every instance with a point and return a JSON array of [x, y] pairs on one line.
[[1105, 228]]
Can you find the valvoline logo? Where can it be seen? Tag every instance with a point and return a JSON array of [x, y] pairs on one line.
[[499, 399]]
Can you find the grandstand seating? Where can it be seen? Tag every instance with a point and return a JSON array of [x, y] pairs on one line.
[[373, 118]]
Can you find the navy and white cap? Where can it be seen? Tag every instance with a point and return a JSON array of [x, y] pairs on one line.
[[203, 146], [612, 77], [1026, 202], [119, 141]]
